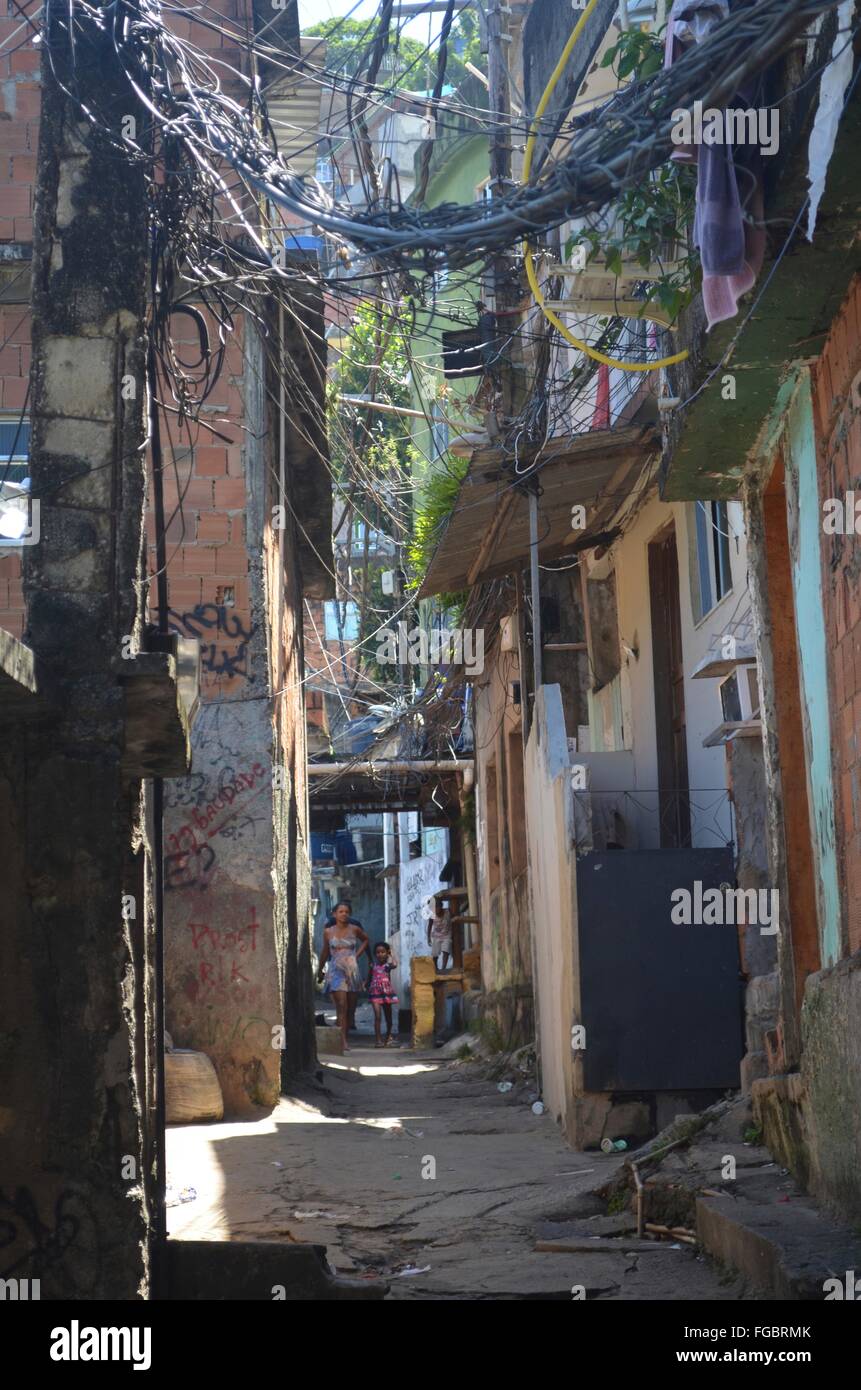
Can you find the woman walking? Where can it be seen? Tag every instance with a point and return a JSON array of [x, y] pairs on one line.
[[343, 944]]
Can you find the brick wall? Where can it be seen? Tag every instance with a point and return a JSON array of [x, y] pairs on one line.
[[838, 426], [205, 500], [237, 948], [208, 554], [19, 137]]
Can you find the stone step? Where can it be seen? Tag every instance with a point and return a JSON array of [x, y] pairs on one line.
[[788, 1249]]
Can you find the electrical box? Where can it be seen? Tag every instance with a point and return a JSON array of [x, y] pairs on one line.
[[389, 581], [508, 633]]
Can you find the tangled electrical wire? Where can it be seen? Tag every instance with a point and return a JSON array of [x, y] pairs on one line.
[[210, 150], [613, 148]]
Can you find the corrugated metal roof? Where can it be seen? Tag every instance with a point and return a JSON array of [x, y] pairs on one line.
[[487, 534]]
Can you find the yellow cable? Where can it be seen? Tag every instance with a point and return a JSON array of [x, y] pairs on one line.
[[527, 250]]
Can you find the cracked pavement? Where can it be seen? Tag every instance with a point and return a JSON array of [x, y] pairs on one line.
[[343, 1167]]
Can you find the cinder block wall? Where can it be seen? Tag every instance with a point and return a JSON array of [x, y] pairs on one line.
[[812, 1118], [230, 935]]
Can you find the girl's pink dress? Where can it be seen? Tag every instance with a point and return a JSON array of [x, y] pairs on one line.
[[380, 984]]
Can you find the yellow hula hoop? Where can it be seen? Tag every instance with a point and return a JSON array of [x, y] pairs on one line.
[[527, 250]]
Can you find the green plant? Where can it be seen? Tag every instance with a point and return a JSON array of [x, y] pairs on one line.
[[752, 1134], [466, 819], [490, 1034], [432, 510], [638, 53], [650, 218], [406, 61], [619, 1202], [653, 215]]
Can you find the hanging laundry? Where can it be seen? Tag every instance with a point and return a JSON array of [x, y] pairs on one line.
[[728, 224]]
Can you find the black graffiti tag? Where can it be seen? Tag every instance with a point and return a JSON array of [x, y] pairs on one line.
[[216, 656], [40, 1245], [192, 868]]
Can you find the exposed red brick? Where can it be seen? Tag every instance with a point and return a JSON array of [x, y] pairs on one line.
[[232, 561], [213, 526], [28, 104], [24, 60], [183, 591], [14, 392], [24, 168], [16, 202], [210, 461], [229, 493], [10, 360], [198, 559]]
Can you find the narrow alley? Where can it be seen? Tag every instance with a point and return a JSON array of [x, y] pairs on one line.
[[343, 1167], [430, 667]]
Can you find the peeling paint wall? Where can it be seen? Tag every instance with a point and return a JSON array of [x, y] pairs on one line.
[[837, 408], [222, 985], [553, 906], [506, 952], [805, 531]]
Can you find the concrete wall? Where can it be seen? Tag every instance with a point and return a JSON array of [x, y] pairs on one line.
[[553, 905], [812, 1118], [417, 880], [501, 861], [222, 983], [222, 974], [635, 692], [76, 1153], [837, 411]]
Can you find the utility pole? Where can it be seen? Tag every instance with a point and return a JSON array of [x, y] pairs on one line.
[[506, 287]]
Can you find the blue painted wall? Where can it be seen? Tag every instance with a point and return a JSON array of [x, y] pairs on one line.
[[805, 531]]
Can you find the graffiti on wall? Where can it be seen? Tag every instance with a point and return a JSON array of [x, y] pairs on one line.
[[190, 860], [191, 868], [220, 971], [419, 879], [42, 1244], [223, 638]]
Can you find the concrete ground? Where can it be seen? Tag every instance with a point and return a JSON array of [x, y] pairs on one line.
[[418, 1170]]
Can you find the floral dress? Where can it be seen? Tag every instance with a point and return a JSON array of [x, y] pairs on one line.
[[380, 984], [344, 972]]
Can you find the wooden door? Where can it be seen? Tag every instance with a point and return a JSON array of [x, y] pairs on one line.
[[674, 792]]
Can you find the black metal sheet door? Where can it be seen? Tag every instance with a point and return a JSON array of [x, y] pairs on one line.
[[661, 1003]]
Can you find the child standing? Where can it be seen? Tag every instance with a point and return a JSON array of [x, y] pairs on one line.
[[380, 991]]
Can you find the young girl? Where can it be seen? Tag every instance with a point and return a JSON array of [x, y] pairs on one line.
[[380, 991]]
